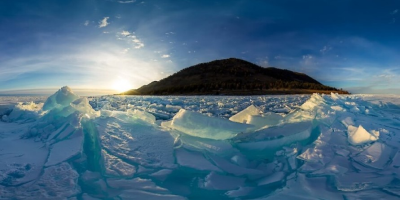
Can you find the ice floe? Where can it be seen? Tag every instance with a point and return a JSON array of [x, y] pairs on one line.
[[196, 124]]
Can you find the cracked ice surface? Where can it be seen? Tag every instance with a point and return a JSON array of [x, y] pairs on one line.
[[215, 147]]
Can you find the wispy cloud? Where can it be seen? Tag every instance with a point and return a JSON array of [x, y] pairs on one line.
[[325, 49], [386, 76], [308, 59], [129, 37], [263, 62], [104, 22], [394, 12], [165, 56], [86, 23], [385, 82], [127, 1], [138, 44], [280, 57], [125, 33]]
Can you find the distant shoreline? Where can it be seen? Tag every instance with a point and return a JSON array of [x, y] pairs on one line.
[[245, 92]]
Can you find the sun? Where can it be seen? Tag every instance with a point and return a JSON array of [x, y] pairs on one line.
[[121, 85]]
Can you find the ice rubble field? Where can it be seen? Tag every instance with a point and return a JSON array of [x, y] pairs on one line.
[[259, 147]]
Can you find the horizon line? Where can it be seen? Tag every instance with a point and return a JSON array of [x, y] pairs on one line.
[[49, 91]]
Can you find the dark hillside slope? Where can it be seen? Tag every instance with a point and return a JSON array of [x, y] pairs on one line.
[[232, 76]]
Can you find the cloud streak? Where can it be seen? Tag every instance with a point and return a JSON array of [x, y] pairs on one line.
[[127, 1], [130, 38], [125, 33]]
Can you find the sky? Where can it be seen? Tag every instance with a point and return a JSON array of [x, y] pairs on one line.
[[115, 45]]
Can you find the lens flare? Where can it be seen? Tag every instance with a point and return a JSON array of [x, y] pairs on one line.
[[121, 85]]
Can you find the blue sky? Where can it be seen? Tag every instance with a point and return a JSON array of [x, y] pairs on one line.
[[114, 44]]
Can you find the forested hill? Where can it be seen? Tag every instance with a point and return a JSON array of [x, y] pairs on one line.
[[233, 77]]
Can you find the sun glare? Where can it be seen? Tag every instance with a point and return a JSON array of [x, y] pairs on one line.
[[121, 85]]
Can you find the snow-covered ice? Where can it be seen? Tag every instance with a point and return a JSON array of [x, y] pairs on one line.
[[201, 147]]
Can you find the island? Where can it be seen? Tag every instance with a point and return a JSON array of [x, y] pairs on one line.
[[234, 77]]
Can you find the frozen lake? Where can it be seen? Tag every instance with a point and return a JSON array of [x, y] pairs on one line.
[[216, 147]]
